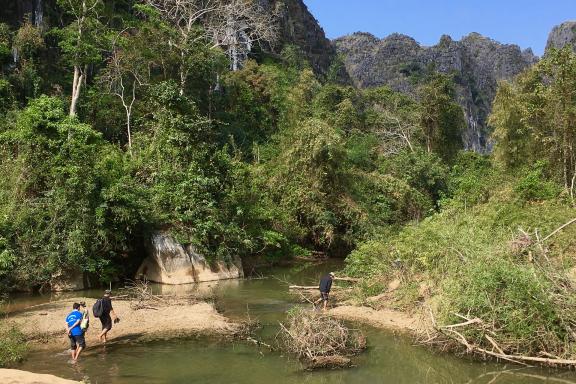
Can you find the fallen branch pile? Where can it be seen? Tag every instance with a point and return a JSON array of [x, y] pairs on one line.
[[455, 333], [141, 296], [319, 340]]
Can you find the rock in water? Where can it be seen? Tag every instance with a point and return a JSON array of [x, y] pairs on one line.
[[170, 262], [562, 35]]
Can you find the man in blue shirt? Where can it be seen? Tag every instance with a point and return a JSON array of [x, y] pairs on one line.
[[75, 332]]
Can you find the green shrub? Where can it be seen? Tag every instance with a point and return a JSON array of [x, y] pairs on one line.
[[369, 259], [470, 180], [515, 300], [13, 345], [422, 170], [535, 187]]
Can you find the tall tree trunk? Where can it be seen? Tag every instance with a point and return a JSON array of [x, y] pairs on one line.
[[76, 87], [183, 74]]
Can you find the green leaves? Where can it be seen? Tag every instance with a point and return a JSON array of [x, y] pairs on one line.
[[535, 115], [81, 41], [442, 119], [54, 217]]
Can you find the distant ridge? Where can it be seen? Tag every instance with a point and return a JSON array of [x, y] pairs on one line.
[[401, 63]]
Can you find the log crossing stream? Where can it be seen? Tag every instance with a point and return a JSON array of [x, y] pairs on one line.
[[390, 358]]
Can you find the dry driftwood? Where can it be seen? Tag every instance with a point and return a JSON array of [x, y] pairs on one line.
[[497, 352], [329, 362], [349, 279], [311, 287], [139, 294], [559, 229], [319, 340]]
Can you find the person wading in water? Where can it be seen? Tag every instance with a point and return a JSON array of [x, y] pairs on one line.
[[74, 332], [106, 315], [325, 286]]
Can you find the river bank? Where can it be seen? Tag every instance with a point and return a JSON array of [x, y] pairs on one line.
[[44, 324], [15, 376], [388, 319], [212, 360]]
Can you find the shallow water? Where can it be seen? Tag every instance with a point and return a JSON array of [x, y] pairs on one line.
[[390, 358]]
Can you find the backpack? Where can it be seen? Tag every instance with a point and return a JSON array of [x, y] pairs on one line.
[[98, 308], [85, 323]]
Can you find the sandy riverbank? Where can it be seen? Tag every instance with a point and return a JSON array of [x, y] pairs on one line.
[[14, 376], [44, 324], [383, 318]]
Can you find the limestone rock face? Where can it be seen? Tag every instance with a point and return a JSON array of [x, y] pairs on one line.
[[562, 35], [170, 262], [69, 281], [398, 61], [298, 26]]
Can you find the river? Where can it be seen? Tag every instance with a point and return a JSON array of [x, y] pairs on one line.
[[390, 358]]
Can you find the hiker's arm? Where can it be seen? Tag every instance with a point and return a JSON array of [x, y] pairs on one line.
[[73, 325], [113, 313]]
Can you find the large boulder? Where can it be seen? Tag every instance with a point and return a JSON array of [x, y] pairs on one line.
[[169, 262], [72, 280]]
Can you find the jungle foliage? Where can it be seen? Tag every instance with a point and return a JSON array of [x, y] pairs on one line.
[[109, 133]]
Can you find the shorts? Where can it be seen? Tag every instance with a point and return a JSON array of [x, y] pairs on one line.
[[324, 296], [77, 341], [106, 321]]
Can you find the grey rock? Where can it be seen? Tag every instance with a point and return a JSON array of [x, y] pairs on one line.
[[169, 262], [398, 61], [299, 27], [562, 35]]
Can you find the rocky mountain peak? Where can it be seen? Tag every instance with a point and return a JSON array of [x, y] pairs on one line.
[[401, 63], [299, 27], [562, 35]]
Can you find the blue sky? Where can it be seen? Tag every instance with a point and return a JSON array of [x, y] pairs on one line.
[[523, 22]]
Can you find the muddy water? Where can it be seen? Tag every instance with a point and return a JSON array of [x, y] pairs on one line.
[[389, 359]]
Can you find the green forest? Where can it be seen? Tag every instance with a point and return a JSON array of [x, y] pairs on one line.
[[127, 117]]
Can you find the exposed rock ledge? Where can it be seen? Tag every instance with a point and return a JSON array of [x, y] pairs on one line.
[[170, 262], [14, 376]]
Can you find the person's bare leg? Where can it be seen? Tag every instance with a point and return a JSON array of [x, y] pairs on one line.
[[72, 353], [78, 350], [103, 335], [325, 305]]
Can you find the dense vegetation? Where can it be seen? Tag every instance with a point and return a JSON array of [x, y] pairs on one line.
[[13, 345], [125, 118], [493, 250]]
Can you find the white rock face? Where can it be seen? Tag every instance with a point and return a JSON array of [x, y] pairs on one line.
[[68, 281], [170, 262]]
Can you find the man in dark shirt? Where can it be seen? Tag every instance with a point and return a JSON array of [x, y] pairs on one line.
[[107, 315], [325, 286]]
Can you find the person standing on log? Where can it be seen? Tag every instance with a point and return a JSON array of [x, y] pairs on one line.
[[325, 286]]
